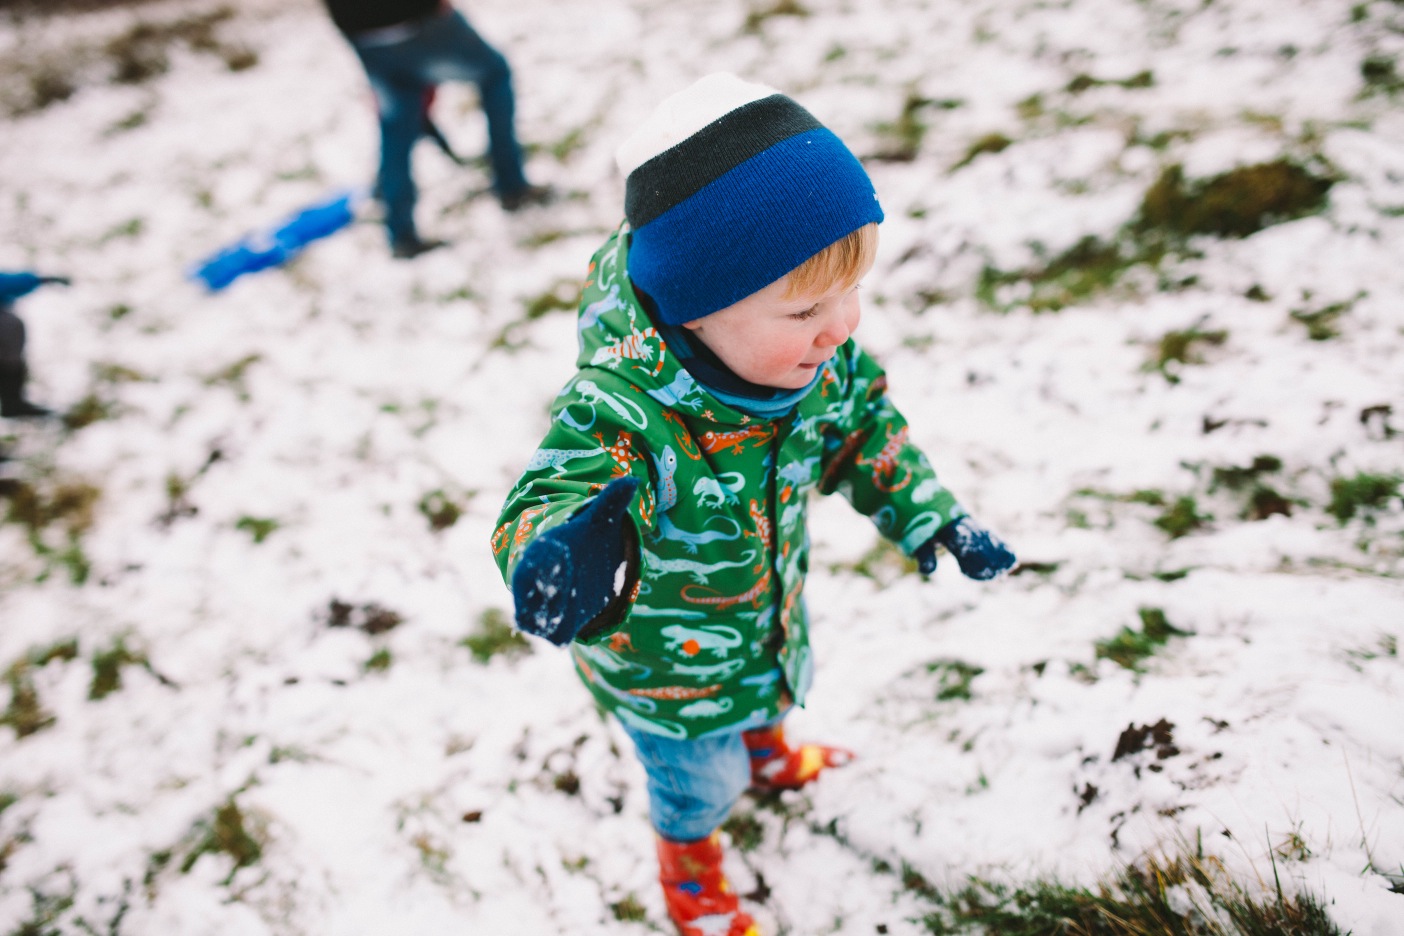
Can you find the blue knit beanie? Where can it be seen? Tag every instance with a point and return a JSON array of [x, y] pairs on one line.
[[731, 185]]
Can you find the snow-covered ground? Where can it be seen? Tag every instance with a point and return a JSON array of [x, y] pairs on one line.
[[301, 741]]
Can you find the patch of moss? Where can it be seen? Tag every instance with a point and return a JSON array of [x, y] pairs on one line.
[[25, 714], [224, 833], [1088, 268], [902, 138], [235, 375], [953, 679], [1323, 324], [90, 409], [107, 668], [758, 16], [1182, 517], [1234, 204], [440, 509], [495, 636], [1380, 75], [1364, 493], [1084, 82], [989, 143], [260, 528], [745, 830], [1130, 648], [629, 910], [1175, 349], [565, 295]]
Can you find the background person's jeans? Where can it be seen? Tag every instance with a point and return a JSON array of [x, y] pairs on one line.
[[440, 48], [692, 785]]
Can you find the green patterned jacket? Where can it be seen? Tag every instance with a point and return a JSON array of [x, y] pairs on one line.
[[716, 636]]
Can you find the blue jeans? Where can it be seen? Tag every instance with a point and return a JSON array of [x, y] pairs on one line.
[[440, 48], [692, 785]]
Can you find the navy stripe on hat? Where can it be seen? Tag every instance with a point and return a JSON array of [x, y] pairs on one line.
[[679, 172]]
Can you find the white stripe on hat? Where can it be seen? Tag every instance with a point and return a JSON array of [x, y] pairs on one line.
[[685, 112]]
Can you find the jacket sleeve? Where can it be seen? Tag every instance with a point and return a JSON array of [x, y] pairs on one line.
[[870, 460], [575, 461]]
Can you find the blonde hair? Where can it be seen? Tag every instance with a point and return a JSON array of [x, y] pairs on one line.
[[842, 263]]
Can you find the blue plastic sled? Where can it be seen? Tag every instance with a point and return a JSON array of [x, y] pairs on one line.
[[271, 248]]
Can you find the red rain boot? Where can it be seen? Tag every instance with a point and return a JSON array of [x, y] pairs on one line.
[[699, 897], [777, 766]]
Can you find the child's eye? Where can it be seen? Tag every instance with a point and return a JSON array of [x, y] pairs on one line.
[[807, 314]]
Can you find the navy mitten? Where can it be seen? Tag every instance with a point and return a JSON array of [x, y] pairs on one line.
[[981, 554], [572, 573]]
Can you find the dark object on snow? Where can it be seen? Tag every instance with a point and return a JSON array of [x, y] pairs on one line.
[[571, 574], [272, 248]]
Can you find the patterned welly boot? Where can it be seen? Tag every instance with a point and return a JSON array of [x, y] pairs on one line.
[[699, 897], [777, 766]]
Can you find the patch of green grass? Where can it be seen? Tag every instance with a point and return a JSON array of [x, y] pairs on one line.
[[1089, 268], [51, 510], [902, 137], [628, 909], [1084, 82], [1380, 75], [107, 668], [1181, 896], [1236, 478], [757, 17], [745, 830], [563, 296], [25, 714], [495, 636], [379, 661], [1176, 349], [1323, 324], [1182, 517], [989, 143], [260, 528], [46, 911], [225, 833], [1234, 204], [108, 372], [1364, 494], [235, 375], [131, 228], [88, 410], [953, 679], [1130, 648], [1260, 500], [441, 509]]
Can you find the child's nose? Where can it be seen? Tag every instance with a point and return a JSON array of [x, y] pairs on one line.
[[836, 331]]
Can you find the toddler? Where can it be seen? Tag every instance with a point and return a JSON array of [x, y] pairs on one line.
[[659, 530]]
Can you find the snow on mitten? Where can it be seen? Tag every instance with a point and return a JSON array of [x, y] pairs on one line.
[[981, 554], [777, 766], [572, 572]]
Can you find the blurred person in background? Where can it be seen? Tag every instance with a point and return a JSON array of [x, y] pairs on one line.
[[407, 48], [14, 371]]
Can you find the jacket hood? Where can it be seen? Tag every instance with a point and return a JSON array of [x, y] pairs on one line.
[[617, 335]]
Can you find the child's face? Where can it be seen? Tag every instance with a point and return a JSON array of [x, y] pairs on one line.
[[780, 342]]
